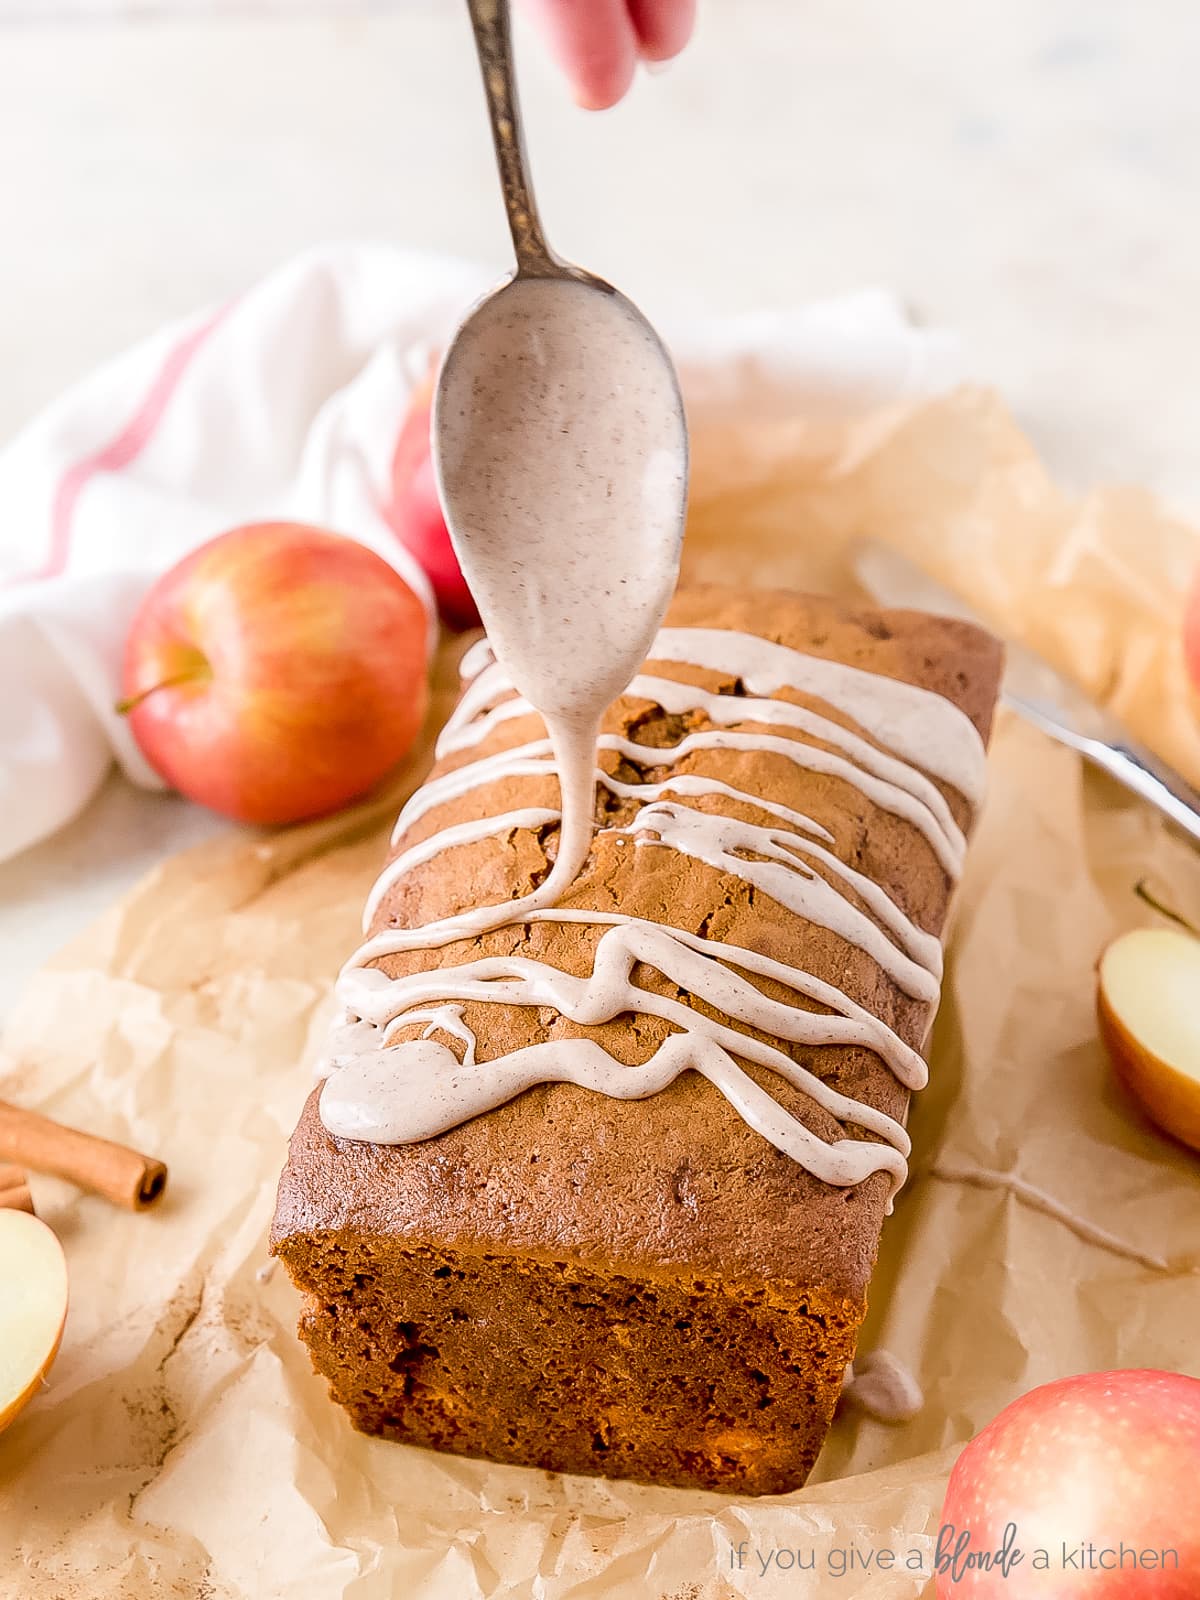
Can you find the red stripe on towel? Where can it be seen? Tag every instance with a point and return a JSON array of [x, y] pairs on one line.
[[121, 451]]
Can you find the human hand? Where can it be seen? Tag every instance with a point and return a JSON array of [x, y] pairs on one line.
[[598, 43]]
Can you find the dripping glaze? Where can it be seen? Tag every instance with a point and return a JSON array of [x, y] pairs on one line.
[[386, 1091]]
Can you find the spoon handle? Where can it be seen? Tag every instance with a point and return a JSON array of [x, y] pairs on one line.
[[493, 41]]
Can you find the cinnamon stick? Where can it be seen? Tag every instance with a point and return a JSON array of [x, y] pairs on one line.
[[14, 1190], [113, 1170]]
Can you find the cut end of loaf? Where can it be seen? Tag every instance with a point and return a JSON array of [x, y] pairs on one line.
[[694, 1383]]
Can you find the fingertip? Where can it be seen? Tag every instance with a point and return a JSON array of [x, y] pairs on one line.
[[663, 27], [594, 42], [589, 100], [601, 91]]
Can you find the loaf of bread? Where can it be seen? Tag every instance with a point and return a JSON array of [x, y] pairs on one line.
[[654, 1287]]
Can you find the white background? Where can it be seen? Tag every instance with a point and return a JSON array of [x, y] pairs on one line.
[[1028, 172]]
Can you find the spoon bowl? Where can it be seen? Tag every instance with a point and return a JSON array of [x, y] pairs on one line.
[[561, 456]]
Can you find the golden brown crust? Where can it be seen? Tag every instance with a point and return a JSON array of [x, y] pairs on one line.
[[676, 1187]]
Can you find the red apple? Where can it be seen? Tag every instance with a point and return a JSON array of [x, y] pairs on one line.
[[277, 672], [416, 512], [1191, 633], [1085, 1487]]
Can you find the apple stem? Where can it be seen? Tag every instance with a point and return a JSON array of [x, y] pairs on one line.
[[131, 702], [1152, 900]]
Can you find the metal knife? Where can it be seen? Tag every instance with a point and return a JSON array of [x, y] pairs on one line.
[[1041, 695]]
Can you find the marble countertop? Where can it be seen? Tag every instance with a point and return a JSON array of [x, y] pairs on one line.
[[1023, 173]]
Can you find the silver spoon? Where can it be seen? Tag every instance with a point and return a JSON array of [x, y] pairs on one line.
[[560, 448]]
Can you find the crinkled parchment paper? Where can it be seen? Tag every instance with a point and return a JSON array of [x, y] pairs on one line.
[[183, 1446]]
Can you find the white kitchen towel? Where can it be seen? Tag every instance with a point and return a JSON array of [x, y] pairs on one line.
[[286, 404]]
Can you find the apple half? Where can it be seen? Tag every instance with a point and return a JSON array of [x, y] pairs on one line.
[[1148, 1002], [33, 1307]]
